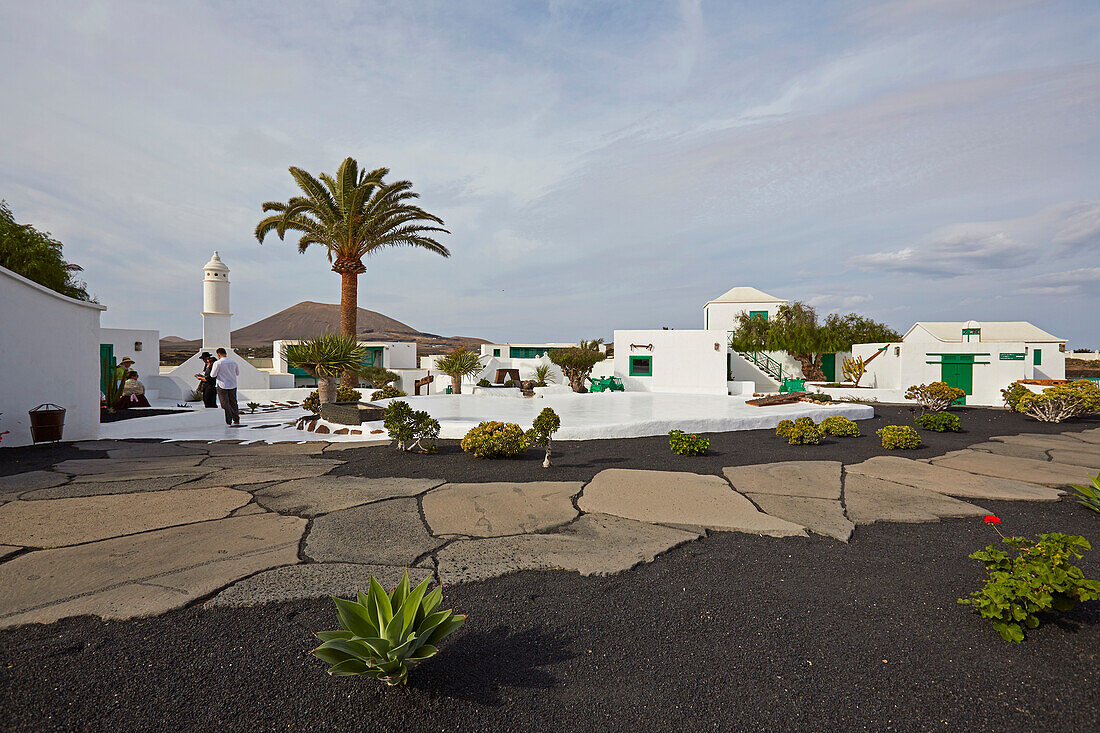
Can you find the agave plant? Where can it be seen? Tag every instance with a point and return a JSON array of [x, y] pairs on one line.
[[324, 358], [458, 364], [544, 375], [384, 635], [1088, 496]]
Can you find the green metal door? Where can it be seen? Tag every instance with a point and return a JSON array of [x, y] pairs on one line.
[[828, 365], [106, 354], [957, 370]]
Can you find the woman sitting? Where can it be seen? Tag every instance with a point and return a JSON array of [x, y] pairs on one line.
[[133, 393]]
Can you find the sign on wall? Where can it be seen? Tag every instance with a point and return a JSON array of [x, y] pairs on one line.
[[1012, 356]]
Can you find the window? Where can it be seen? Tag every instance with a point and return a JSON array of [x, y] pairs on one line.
[[496, 352], [758, 314], [641, 366], [524, 352], [1038, 357]]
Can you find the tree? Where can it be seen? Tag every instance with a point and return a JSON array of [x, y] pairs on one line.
[[378, 377], [37, 256], [795, 330], [543, 429], [458, 364], [324, 358], [577, 362], [352, 216]]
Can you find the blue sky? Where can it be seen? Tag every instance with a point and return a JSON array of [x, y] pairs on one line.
[[601, 165]]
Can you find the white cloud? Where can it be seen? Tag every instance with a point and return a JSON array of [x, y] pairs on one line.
[[1081, 281]]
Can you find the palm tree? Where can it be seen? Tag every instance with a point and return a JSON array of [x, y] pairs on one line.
[[458, 364], [352, 215], [325, 357]]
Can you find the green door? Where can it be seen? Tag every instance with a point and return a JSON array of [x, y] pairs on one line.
[[957, 371], [828, 365], [106, 353]]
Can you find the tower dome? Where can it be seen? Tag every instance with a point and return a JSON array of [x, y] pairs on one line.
[[215, 269]]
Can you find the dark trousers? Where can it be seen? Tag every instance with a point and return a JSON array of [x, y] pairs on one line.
[[228, 398], [210, 395]]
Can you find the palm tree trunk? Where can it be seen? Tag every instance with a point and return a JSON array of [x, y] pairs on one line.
[[456, 384], [326, 389], [349, 310]]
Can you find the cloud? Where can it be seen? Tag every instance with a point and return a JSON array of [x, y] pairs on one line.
[[1082, 281], [952, 256]]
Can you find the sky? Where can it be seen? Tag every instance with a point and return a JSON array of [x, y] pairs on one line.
[[599, 165]]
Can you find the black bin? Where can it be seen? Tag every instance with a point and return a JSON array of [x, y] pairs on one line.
[[47, 422]]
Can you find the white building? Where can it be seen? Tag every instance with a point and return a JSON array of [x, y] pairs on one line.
[[721, 314], [397, 356]]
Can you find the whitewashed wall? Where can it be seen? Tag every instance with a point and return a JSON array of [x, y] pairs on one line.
[[723, 316], [395, 354], [685, 361], [49, 352], [146, 361]]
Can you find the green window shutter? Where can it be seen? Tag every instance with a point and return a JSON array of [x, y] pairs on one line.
[[758, 314], [1038, 357], [496, 352], [641, 366]]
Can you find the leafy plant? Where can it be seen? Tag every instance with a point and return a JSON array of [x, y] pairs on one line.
[[783, 429], [37, 256], [410, 429], [1088, 496], [853, 369], [895, 437], [387, 392], [940, 422], [458, 364], [685, 444], [484, 383], [840, 426], [312, 402], [114, 378], [495, 440], [804, 431], [544, 375], [376, 377], [542, 430], [510, 383], [577, 362], [253, 406], [934, 397], [195, 396], [1012, 395], [817, 397], [1061, 402], [1038, 579], [324, 358], [384, 635]]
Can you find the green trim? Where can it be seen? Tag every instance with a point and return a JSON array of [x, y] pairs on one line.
[[641, 366], [1038, 357], [496, 352], [1011, 356], [524, 352], [758, 314]]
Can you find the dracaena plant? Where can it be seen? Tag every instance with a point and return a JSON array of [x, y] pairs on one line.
[[384, 635]]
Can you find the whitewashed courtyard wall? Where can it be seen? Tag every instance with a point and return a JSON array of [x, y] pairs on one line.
[[146, 361], [687, 361]]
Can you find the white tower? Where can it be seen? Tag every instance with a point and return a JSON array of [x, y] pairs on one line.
[[215, 305]]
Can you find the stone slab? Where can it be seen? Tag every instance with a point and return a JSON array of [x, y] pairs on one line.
[[61, 522], [1015, 450], [503, 508], [164, 464], [261, 460], [312, 580], [153, 450], [678, 499], [595, 544], [950, 481], [144, 574], [817, 479], [258, 449], [6, 550], [384, 533], [247, 476], [313, 496], [1041, 440], [247, 509], [99, 488], [1021, 469], [1092, 435], [1090, 461], [141, 475], [821, 516], [14, 485], [874, 500]]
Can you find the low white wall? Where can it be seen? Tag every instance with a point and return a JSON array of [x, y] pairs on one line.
[[49, 349], [146, 361], [684, 361]]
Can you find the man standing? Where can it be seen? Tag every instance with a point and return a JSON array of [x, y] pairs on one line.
[[206, 383], [225, 372]]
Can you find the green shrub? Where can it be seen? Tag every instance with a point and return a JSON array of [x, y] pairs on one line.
[[899, 437], [387, 392], [484, 383], [510, 383], [343, 394], [1061, 401], [940, 422], [495, 440], [376, 377], [783, 429], [804, 431], [1088, 496], [839, 426], [411, 429], [685, 444], [934, 397], [817, 397], [542, 430], [1039, 579], [384, 635], [253, 406], [1012, 394]]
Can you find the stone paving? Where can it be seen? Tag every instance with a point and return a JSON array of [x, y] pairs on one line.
[[158, 526]]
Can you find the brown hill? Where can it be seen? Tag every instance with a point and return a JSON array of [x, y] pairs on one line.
[[307, 319]]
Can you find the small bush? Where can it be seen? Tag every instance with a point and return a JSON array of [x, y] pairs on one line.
[[940, 422], [896, 437], [1012, 394], [253, 406], [1061, 401], [685, 444], [343, 394], [934, 397], [542, 430], [804, 431], [376, 377], [387, 392], [839, 426], [510, 383], [484, 383], [817, 397], [411, 429], [495, 440], [783, 429]]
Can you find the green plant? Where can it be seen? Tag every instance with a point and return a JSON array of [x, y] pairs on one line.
[[37, 256], [1088, 496], [934, 397], [253, 406], [510, 383], [685, 444], [1038, 579], [324, 358], [1012, 394], [409, 428], [458, 364], [354, 215], [853, 369], [940, 422], [376, 377], [817, 397], [387, 392], [312, 402], [896, 437], [495, 440], [1062, 401], [577, 362], [804, 431], [384, 635], [484, 383], [839, 426], [544, 375], [542, 430], [195, 395], [783, 429], [114, 377]]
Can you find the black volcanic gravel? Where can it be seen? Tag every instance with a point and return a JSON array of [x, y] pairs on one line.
[[581, 460], [732, 632], [120, 415]]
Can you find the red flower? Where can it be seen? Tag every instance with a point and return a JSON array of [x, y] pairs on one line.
[[991, 519]]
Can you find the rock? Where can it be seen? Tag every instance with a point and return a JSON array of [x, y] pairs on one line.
[[495, 509], [1077, 458], [14, 485], [817, 479], [321, 429], [144, 574], [247, 509], [164, 464], [99, 488], [678, 499], [312, 580], [246, 476], [1091, 435], [60, 522], [264, 449], [1021, 469], [188, 474], [872, 500], [1040, 440], [595, 544], [340, 431], [821, 516], [153, 450], [275, 460], [384, 533], [309, 497], [1016, 450], [950, 481]]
